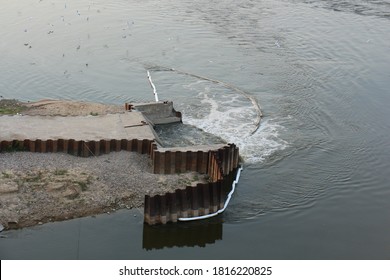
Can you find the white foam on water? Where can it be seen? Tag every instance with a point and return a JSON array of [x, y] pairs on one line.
[[232, 117]]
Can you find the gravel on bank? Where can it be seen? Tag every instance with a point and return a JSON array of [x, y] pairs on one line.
[[36, 188]]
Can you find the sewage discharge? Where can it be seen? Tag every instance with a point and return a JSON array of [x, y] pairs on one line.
[[224, 84]]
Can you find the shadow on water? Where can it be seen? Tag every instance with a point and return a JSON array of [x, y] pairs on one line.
[[189, 234]]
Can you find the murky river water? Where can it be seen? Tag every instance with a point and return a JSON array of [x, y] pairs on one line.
[[316, 178]]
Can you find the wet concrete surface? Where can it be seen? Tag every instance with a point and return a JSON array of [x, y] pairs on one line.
[[128, 125]]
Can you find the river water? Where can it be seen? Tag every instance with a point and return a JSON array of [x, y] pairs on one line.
[[315, 183]]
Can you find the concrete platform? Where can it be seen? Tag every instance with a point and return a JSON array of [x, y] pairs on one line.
[[158, 112], [128, 125]]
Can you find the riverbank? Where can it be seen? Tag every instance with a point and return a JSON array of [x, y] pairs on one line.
[[38, 188]]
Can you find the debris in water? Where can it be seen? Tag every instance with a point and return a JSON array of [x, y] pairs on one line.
[[1, 227]]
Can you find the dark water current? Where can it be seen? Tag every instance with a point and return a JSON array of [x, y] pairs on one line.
[[315, 183]]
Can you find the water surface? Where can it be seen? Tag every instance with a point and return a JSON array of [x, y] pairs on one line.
[[315, 181]]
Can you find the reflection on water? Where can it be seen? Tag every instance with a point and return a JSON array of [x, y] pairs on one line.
[[188, 234]]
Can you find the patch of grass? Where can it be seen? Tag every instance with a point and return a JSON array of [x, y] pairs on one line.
[[8, 111], [34, 177], [10, 107], [94, 114], [60, 172], [6, 175], [14, 147], [83, 185]]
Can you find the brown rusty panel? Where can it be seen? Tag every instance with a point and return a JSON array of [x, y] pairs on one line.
[[172, 165], [94, 146], [189, 200], [145, 146], [84, 149], [38, 145], [177, 162], [61, 146], [167, 162], [194, 160], [161, 163], [194, 197], [163, 209], [43, 146], [214, 199], [156, 162], [210, 164], [107, 146], [235, 154], [153, 148], [149, 210], [52, 146], [199, 161], [112, 145], [157, 208], [73, 147], [49, 146], [65, 146], [182, 163], [152, 206], [102, 147], [18, 145], [123, 145], [26, 145], [70, 149], [147, 205], [172, 206], [188, 160], [4, 146], [182, 195], [117, 145], [205, 162], [126, 145], [229, 158], [134, 145], [139, 146], [236, 157], [215, 169], [206, 194], [225, 161]]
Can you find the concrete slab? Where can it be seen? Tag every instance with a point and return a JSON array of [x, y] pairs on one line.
[[129, 125], [159, 112]]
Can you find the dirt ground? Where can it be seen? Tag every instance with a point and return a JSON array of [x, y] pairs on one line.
[[39, 188], [56, 108]]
